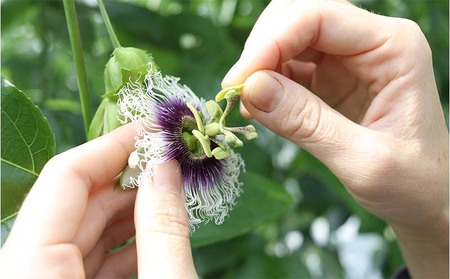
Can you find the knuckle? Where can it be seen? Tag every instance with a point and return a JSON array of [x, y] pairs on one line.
[[55, 161], [410, 26], [168, 220], [409, 31], [302, 121], [377, 166], [63, 165], [59, 162], [64, 261]]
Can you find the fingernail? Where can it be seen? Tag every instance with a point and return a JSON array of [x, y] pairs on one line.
[[167, 177], [263, 91]]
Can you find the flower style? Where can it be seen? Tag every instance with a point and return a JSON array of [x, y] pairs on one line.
[[173, 123]]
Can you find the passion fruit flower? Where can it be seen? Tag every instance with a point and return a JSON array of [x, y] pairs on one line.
[[173, 123]]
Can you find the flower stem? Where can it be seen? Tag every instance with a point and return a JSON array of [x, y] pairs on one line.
[[78, 59], [111, 33]]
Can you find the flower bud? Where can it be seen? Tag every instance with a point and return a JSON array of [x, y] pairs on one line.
[[126, 64], [105, 119], [127, 180], [133, 159]]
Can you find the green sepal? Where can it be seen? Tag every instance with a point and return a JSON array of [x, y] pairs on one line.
[[105, 119]]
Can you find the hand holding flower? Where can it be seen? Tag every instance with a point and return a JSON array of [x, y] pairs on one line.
[[72, 217], [357, 91]]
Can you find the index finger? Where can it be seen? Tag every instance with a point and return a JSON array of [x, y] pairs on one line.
[[55, 206], [286, 30]]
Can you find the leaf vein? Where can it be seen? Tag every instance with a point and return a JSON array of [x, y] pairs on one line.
[[20, 167], [21, 136]]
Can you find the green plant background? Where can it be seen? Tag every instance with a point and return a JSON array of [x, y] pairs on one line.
[[324, 233]]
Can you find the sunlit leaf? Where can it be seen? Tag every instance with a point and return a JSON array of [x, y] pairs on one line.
[[262, 201], [27, 144]]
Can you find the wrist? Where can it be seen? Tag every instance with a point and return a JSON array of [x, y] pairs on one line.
[[426, 248]]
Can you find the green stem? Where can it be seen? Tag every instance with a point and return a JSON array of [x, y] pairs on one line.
[[78, 59], [112, 34]]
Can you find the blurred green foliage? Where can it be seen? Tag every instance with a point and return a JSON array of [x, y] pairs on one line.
[[199, 41]]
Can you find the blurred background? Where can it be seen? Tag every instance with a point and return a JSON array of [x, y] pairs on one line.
[[325, 233]]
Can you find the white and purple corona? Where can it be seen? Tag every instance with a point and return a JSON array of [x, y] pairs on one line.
[[173, 123]]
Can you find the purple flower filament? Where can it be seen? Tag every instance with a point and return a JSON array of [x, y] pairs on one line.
[[198, 170], [171, 124]]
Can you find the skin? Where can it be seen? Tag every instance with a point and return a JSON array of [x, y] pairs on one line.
[[72, 217], [354, 89], [357, 91]]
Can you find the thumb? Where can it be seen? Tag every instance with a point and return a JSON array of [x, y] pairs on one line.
[[293, 112], [162, 226]]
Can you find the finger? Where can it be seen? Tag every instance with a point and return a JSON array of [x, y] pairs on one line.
[[105, 208], [56, 261], [293, 112], [333, 83], [162, 226], [244, 111], [120, 264], [300, 72], [116, 234], [310, 55], [321, 25], [265, 21], [55, 207]]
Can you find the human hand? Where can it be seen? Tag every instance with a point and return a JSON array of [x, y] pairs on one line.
[[72, 217], [357, 91]]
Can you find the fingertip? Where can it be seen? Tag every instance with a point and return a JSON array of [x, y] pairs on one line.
[[234, 75], [162, 225], [160, 201], [262, 92]]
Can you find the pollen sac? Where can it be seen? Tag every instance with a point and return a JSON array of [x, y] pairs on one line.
[[212, 129], [220, 153]]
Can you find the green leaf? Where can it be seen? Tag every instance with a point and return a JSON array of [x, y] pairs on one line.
[[6, 227], [246, 257], [261, 265], [309, 167], [262, 201], [27, 144]]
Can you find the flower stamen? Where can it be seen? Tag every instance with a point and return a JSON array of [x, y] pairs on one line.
[[198, 117], [204, 142], [205, 133]]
